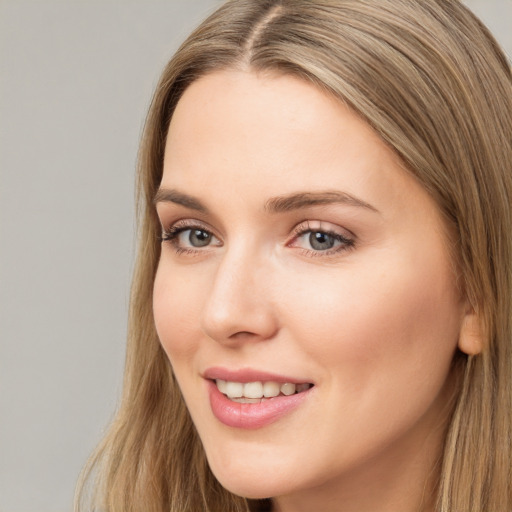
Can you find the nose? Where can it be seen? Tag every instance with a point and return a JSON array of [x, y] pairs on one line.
[[239, 308]]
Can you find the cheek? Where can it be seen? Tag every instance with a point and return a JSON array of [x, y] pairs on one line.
[[373, 325], [176, 307]]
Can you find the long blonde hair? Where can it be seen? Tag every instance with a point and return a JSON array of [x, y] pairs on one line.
[[433, 83]]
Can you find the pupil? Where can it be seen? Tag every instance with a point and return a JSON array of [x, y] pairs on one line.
[[321, 241], [199, 238]]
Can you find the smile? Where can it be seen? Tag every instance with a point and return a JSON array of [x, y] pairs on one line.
[[259, 391], [250, 399]]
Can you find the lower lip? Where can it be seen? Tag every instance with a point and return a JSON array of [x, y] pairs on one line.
[[252, 416]]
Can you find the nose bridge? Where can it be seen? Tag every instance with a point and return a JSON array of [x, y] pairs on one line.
[[238, 305]]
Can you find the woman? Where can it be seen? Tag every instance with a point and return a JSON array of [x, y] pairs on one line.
[[320, 317]]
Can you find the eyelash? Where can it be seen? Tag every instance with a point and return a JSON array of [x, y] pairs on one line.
[[172, 233], [306, 227]]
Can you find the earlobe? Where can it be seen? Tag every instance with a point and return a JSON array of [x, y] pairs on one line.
[[470, 337]]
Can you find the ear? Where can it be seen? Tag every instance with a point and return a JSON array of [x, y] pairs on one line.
[[470, 337]]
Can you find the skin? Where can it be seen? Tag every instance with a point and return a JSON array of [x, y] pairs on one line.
[[374, 323]]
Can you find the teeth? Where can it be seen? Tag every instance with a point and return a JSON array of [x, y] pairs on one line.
[[288, 389], [247, 400], [271, 389], [234, 389], [221, 384], [252, 392]]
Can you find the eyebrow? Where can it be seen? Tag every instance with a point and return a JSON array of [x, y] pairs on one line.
[[280, 204], [164, 195], [300, 200]]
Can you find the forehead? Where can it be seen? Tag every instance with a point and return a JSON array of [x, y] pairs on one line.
[[245, 137]]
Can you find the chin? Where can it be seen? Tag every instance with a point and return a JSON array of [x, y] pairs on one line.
[[252, 490], [251, 485]]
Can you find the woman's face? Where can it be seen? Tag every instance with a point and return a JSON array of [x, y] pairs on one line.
[[300, 257]]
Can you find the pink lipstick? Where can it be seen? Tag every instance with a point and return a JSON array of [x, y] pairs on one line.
[[251, 399]]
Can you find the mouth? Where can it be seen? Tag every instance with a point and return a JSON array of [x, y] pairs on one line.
[[253, 399], [258, 391]]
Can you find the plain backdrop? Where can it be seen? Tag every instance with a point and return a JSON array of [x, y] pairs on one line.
[[76, 79]]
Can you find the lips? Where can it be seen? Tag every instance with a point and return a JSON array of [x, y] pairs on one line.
[[250, 399]]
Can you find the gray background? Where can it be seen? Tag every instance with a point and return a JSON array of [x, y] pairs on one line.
[[75, 81]]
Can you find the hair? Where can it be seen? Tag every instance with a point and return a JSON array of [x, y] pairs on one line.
[[431, 80]]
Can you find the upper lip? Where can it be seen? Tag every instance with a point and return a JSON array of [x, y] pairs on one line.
[[249, 375]]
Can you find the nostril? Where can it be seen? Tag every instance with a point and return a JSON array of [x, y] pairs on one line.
[[236, 312]]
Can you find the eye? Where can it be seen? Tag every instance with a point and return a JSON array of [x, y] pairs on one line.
[[194, 237], [316, 240], [321, 241], [189, 238]]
